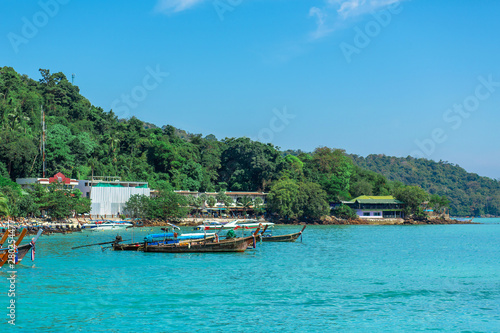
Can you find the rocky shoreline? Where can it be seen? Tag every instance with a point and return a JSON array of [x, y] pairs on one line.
[[72, 225], [399, 221], [327, 220]]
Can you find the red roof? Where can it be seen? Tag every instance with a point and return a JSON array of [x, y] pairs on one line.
[[59, 177]]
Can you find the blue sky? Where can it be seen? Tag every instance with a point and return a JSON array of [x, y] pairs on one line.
[[368, 76]]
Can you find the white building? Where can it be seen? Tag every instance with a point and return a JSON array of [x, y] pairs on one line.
[[109, 194]]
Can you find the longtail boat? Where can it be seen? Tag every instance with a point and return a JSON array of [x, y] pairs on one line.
[[128, 247], [171, 235], [117, 246], [283, 238], [174, 234], [228, 245], [20, 251]]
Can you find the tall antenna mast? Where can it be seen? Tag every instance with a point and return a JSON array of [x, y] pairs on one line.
[[43, 143], [73, 78]]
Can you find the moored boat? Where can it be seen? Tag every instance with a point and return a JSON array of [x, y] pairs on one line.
[[228, 245], [283, 238], [174, 232], [172, 235], [247, 224], [105, 224], [210, 225], [110, 225], [92, 223], [194, 246], [17, 253], [234, 225]]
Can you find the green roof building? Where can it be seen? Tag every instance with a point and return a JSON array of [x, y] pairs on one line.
[[376, 207]]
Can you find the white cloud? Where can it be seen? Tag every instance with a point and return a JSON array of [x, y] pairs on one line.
[[335, 12], [174, 6], [351, 8], [320, 15]]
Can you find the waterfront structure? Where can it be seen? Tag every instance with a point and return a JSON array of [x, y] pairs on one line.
[[444, 212], [59, 177], [220, 207], [108, 194], [376, 207]]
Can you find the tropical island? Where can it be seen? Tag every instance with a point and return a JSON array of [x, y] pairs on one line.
[[191, 174]]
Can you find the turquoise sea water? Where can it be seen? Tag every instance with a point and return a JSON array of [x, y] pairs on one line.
[[340, 278]]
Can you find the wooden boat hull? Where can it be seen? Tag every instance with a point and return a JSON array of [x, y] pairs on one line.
[[283, 238], [231, 245], [22, 251], [140, 246], [128, 247]]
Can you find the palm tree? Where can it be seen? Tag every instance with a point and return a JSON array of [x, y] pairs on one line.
[[203, 197], [257, 205], [221, 196], [245, 202], [195, 202], [228, 202], [211, 201], [198, 203]]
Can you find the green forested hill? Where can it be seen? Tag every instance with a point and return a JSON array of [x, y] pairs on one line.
[[84, 140], [469, 194]]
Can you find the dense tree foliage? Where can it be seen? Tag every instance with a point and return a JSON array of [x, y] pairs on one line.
[[83, 140], [283, 199], [166, 205], [438, 203], [413, 197], [4, 206], [297, 200], [344, 212], [249, 165], [56, 201], [468, 193], [137, 205]]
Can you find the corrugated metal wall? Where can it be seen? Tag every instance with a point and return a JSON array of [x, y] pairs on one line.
[[111, 200]]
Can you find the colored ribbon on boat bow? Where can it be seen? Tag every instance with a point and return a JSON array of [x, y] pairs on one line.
[[32, 250], [254, 242]]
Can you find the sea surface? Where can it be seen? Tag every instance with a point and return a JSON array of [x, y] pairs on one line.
[[338, 278]]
